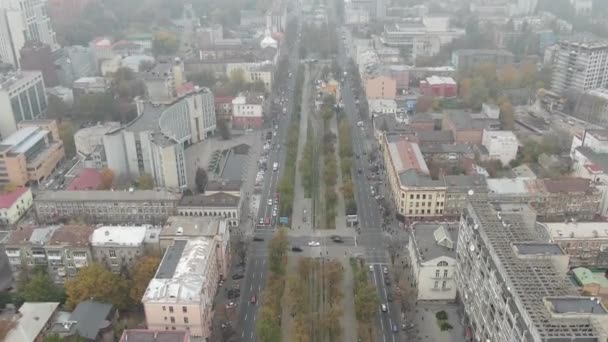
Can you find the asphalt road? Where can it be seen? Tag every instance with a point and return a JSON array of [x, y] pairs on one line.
[[369, 214], [256, 269]]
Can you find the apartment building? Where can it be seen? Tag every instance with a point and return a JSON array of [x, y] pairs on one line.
[[90, 85], [466, 128], [441, 87], [248, 111], [22, 97], [144, 335], [180, 296], [163, 80], [107, 206], [220, 205], [22, 21], [254, 72], [32, 321], [154, 143], [458, 190], [118, 247], [31, 154], [513, 283], [432, 253], [61, 250], [581, 64], [500, 145], [223, 108], [589, 153], [14, 204], [592, 106], [467, 59], [552, 199], [585, 242], [380, 87], [186, 228]]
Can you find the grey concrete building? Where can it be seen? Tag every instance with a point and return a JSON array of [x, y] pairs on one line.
[[118, 247], [467, 59], [106, 206]]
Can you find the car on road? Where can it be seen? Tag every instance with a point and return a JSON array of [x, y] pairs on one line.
[[385, 270], [261, 220], [253, 299], [237, 276], [314, 243], [394, 328], [371, 268], [274, 213], [336, 238], [383, 308], [296, 249], [387, 281], [270, 201], [267, 220], [389, 297], [258, 238], [230, 305]]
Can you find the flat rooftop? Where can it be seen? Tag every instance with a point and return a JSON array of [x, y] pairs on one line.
[[576, 305], [128, 236], [435, 240], [406, 155], [23, 139], [107, 195], [136, 335], [578, 230], [537, 248], [192, 226], [181, 275]]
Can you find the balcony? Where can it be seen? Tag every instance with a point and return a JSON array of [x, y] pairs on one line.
[[13, 253], [54, 257]]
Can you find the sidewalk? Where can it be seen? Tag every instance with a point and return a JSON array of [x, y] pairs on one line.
[[341, 227], [349, 320]]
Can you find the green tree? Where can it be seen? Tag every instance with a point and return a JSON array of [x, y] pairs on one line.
[[507, 115], [266, 327], [237, 81], [366, 302], [205, 78], [277, 250], [165, 43], [40, 288], [66, 134], [143, 272], [107, 179], [145, 182], [201, 179], [98, 283]]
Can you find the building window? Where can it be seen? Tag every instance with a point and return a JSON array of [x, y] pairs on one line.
[[436, 284], [437, 273], [112, 253], [445, 273], [443, 285], [171, 309], [186, 320], [423, 196], [184, 309], [172, 319], [442, 263]]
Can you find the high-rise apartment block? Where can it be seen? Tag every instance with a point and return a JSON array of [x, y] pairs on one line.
[[581, 64], [22, 21], [22, 97], [513, 283]]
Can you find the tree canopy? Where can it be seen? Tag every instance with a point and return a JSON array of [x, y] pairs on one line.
[[97, 282], [143, 272]]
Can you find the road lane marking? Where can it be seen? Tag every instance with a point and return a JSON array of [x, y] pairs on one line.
[[246, 316]]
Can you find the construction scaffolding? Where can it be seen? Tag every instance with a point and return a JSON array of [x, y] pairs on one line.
[[529, 276]]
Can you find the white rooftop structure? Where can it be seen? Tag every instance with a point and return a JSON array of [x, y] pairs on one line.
[[23, 139], [119, 235], [434, 80], [88, 139], [599, 92], [580, 230], [182, 274], [508, 185], [34, 317]]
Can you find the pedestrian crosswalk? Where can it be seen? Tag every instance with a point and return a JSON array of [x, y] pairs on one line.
[[375, 257]]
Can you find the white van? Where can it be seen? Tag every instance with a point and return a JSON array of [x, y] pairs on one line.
[[275, 166], [360, 124]]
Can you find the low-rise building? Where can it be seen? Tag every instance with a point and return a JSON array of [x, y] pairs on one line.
[[89, 143], [382, 106], [223, 108], [118, 247], [163, 80], [254, 72], [32, 321], [248, 111], [32, 153], [592, 106], [107, 206], [222, 205], [14, 204], [458, 190], [467, 59], [90, 85], [61, 250], [467, 129], [436, 86], [501, 145], [90, 321], [432, 253], [591, 283], [585, 242], [380, 87], [181, 294], [143, 335]]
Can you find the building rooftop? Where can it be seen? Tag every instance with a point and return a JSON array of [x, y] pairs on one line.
[[508, 185], [578, 230], [107, 195], [23, 139], [8, 79], [470, 52], [576, 305], [443, 137], [192, 226], [567, 185], [7, 199], [463, 121], [132, 236], [537, 248], [181, 276], [141, 335], [225, 185], [219, 199], [585, 276], [72, 235], [465, 181], [435, 240], [585, 40], [87, 320], [34, 317], [436, 80], [406, 155], [528, 281], [87, 179], [414, 178]]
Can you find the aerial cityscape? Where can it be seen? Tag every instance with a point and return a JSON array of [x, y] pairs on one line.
[[304, 171]]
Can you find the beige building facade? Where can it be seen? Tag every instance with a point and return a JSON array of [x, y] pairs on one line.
[[381, 87]]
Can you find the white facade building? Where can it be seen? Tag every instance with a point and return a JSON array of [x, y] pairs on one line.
[[382, 106], [254, 72], [155, 141], [501, 145], [589, 154], [20, 21], [582, 7], [22, 97], [163, 80], [432, 252], [580, 65]]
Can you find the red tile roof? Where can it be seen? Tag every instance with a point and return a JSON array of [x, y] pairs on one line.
[[88, 179], [223, 99], [567, 185], [72, 235], [8, 199], [185, 88]]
